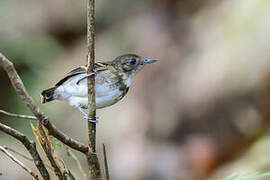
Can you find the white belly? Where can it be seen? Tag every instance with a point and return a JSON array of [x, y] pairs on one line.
[[76, 94], [101, 101]]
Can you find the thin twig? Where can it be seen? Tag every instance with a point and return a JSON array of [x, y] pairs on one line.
[[18, 153], [94, 172], [34, 175], [106, 163], [67, 173], [70, 154], [23, 156], [17, 115], [30, 146], [65, 139], [19, 87]]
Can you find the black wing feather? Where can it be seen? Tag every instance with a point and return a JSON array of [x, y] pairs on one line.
[[80, 70], [74, 72]]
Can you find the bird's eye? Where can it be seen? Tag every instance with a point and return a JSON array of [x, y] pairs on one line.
[[132, 61], [48, 95]]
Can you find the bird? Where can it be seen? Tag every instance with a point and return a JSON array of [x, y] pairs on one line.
[[112, 82]]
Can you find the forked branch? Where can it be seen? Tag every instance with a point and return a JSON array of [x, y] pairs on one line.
[[19, 87]]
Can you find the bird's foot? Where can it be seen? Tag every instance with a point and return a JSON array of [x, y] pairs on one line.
[[92, 120]]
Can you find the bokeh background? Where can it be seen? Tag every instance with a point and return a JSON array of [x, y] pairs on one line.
[[202, 111]]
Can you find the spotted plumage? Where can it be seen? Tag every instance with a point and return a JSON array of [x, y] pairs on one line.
[[112, 81]]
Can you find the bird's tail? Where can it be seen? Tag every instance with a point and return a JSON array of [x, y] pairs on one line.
[[47, 95]]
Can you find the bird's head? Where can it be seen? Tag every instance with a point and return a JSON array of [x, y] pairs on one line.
[[131, 64]]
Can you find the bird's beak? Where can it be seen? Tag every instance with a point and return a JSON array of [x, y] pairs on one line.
[[149, 61]]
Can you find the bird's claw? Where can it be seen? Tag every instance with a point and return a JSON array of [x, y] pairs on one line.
[[92, 120]]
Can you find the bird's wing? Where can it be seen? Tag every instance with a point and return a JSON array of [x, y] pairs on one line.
[[74, 72], [81, 70]]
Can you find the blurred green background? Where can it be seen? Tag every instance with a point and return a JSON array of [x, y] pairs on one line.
[[202, 111]]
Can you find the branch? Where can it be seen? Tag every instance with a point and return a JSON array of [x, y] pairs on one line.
[[25, 157], [18, 153], [35, 176], [91, 79], [19, 87], [70, 154], [67, 173], [106, 163], [41, 134], [48, 149], [17, 115], [30, 146], [92, 159], [46, 144]]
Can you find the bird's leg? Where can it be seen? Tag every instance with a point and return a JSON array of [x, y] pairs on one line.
[[86, 115], [81, 110]]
